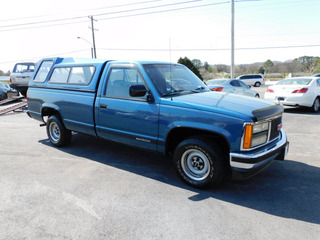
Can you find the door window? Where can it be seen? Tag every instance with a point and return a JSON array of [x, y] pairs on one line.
[[120, 80], [235, 83]]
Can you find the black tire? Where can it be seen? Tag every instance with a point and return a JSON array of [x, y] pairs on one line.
[[24, 93], [3, 96], [316, 105], [257, 84], [200, 163], [57, 133], [257, 96]]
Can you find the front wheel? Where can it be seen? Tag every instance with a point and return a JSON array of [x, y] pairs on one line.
[[58, 134], [199, 162]]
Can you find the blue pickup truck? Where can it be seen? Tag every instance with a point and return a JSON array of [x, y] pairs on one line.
[[161, 107]]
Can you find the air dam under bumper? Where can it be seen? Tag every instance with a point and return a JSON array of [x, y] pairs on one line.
[[245, 165]]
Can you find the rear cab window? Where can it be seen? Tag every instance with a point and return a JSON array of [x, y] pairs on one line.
[[73, 75], [23, 67], [43, 71]]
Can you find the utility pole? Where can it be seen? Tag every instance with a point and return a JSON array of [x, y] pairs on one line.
[[93, 40], [232, 39]]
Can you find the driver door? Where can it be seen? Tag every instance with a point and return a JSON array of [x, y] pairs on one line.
[[126, 119]]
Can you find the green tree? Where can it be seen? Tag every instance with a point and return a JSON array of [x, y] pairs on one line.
[[206, 66], [309, 64], [187, 62], [261, 70], [267, 65]]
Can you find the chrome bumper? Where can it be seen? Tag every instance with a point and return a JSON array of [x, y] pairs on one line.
[[244, 165]]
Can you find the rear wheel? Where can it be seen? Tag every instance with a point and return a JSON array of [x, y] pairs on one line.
[[58, 134], [199, 162], [257, 96], [316, 105], [257, 84], [3, 96]]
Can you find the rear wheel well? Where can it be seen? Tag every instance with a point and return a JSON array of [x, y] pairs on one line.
[[179, 134], [47, 112]]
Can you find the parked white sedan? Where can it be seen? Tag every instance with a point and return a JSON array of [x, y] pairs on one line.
[[301, 91]]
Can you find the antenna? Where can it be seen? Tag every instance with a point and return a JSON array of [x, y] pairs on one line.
[[170, 67]]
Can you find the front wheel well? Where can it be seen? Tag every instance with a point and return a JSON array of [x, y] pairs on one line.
[[180, 134]]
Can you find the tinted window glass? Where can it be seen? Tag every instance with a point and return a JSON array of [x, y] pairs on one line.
[[242, 84], [235, 83], [120, 80], [43, 71], [81, 75], [60, 75]]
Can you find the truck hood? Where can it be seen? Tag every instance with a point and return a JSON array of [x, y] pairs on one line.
[[226, 103]]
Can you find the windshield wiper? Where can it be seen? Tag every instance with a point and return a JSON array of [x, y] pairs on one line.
[[199, 89], [173, 92]]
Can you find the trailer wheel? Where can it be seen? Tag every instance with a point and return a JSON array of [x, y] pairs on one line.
[[57, 133]]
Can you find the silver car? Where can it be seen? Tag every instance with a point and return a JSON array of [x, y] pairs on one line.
[[231, 86], [21, 76], [252, 79]]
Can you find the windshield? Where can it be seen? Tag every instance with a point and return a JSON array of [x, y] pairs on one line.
[[295, 81], [174, 79], [216, 82], [4, 85]]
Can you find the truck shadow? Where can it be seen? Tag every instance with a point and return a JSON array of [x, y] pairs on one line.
[[287, 189]]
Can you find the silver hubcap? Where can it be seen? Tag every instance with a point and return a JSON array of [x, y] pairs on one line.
[[195, 164], [54, 131]]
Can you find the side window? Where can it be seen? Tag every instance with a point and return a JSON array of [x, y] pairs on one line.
[[242, 84], [120, 80], [81, 75], [235, 83], [43, 71], [318, 81], [60, 75]]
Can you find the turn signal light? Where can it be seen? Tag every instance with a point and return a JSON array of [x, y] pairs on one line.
[[302, 90], [247, 136]]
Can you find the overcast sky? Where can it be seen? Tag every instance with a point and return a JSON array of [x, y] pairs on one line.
[[146, 30]]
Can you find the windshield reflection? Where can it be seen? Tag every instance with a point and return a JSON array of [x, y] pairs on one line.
[[171, 79]]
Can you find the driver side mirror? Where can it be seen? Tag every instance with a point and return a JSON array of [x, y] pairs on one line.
[[137, 90], [140, 91]]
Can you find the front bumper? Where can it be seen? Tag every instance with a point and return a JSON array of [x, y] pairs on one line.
[[245, 165]]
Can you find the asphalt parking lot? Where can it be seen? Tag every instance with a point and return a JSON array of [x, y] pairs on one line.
[[101, 190]]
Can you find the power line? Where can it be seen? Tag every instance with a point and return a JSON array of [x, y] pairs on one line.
[[41, 57], [114, 6], [167, 10], [110, 13], [206, 49]]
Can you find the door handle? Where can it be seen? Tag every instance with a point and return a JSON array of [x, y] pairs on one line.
[[104, 106]]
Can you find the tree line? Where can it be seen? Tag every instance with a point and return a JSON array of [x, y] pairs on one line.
[[306, 65], [2, 73]]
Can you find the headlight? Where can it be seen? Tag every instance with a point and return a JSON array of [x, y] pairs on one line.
[[255, 135]]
